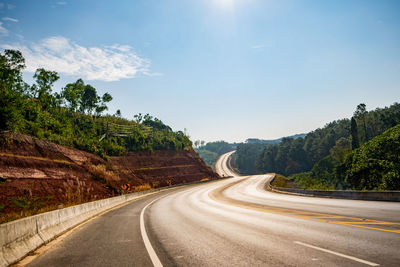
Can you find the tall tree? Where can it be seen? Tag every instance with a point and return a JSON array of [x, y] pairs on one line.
[[72, 93], [360, 114], [103, 106], [354, 134], [11, 86], [43, 87], [89, 99]]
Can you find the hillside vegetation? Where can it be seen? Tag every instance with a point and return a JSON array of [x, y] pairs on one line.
[[211, 151], [361, 153], [74, 116], [248, 152]]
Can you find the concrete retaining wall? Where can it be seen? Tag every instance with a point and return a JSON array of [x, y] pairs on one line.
[[19, 238], [346, 194]]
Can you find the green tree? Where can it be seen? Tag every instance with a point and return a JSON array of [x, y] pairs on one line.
[[72, 93], [376, 164], [102, 106], [360, 114], [89, 99], [43, 87], [354, 134], [11, 88]]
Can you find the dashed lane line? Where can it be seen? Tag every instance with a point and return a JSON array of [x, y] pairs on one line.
[[337, 254]]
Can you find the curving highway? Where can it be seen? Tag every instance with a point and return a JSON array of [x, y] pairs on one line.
[[233, 222]]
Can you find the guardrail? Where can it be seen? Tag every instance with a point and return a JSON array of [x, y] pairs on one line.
[[345, 194], [20, 237]]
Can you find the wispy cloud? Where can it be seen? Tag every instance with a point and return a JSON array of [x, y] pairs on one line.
[[258, 46], [3, 31], [9, 19], [61, 3], [108, 63], [10, 6]]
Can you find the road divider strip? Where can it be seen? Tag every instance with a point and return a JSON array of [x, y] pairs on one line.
[[344, 194]]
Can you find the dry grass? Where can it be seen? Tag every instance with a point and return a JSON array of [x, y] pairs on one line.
[[15, 215], [282, 181], [142, 187], [100, 173], [76, 193], [37, 158]]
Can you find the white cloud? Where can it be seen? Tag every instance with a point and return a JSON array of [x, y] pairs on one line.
[[3, 31], [258, 46], [62, 3], [10, 19], [109, 63]]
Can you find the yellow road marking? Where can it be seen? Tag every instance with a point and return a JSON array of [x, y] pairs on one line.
[[384, 223], [217, 195]]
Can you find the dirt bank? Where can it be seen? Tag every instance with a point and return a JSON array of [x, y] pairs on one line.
[[36, 175]]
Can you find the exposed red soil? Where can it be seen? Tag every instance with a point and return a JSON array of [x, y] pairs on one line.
[[158, 167], [35, 169]]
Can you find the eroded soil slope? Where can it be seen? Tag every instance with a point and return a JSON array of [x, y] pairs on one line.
[[36, 175]]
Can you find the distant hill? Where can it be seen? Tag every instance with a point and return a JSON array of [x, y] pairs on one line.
[[274, 141], [211, 151]]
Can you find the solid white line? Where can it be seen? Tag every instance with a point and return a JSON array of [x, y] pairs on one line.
[[153, 256], [337, 254]]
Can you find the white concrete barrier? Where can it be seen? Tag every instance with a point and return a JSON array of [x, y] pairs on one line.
[[345, 194], [19, 238]]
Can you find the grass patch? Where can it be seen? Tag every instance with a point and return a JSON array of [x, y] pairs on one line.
[[100, 173], [142, 187], [283, 182], [37, 158], [306, 181]]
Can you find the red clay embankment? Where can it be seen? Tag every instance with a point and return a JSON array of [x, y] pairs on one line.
[[36, 175]]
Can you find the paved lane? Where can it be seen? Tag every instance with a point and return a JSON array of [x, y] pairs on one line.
[[194, 229], [235, 222]]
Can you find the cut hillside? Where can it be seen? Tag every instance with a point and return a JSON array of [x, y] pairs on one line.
[[37, 175]]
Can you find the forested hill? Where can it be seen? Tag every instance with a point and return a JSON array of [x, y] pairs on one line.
[[274, 141], [211, 151], [324, 153], [75, 116]]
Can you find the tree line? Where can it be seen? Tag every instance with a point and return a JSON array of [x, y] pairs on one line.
[[211, 151], [74, 116], [332, 156]]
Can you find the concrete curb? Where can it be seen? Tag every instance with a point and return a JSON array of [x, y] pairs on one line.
[[19, 238], [344, 194]]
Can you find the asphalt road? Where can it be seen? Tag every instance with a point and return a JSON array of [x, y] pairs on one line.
[[234, 222]]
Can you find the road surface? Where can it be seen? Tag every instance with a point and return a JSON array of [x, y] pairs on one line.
[[234, 222]]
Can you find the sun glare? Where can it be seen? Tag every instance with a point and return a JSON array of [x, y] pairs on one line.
[[225, 4]]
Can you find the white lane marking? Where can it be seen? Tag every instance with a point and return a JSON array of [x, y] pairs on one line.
[[153, 255], [337, 254]]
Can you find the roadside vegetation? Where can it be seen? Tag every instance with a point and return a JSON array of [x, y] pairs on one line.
[[75, 116], [211, 151], [360, 153]]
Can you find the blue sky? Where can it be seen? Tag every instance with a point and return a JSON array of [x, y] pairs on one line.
[[223, 69]]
